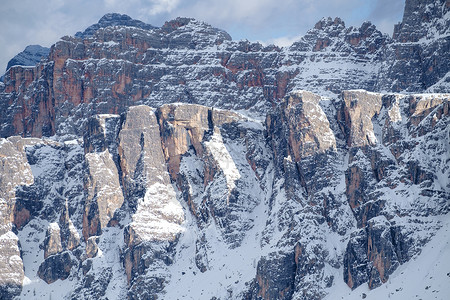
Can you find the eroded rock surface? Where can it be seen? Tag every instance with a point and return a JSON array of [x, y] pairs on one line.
[[181, 158]]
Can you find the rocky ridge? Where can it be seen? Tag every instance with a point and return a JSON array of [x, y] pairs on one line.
[[136, 195], [113, 67], [30, 56]]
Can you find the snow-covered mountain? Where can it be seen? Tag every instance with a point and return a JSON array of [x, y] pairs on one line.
[[165, 163], [30, 56]]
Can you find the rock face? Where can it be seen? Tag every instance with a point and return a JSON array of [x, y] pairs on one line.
[[15, 171], [11, 280], [171, 158], [120, 62], [56, 267], [413, 60], [308, 131], [104, 193]]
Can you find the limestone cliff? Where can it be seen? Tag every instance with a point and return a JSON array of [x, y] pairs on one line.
[[173, 163]]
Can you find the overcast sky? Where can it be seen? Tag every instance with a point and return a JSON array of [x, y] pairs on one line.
[[27, 22]]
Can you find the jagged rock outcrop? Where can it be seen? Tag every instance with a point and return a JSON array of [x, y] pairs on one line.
[[14, 171], [413, 62], [56, 267], [375, 251], [52, 240], [422, 19], [184, 126], [12, 274], [105, 194], [307, 175], [92, 246], [155, 211], [308, 130], [304, 148], [359, 107]]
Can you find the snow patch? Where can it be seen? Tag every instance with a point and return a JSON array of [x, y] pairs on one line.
[[221, 155]]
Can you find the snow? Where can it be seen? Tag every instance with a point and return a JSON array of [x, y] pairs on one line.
[[102, 119], [8, 236], [229, 269], [224, 159], [230, 259], [159, 214], [54, 226], [110, 43], [426, 276], [110, 255]]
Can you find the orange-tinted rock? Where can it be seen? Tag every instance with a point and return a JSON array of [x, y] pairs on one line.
[[307, 127], [355, 117], [91, 246], [183, 126], [146, 180], [70, 238], [14, 171], [56, 267], [429, 107], [321, 44], [104, 193], [270, 283], [52, 240]]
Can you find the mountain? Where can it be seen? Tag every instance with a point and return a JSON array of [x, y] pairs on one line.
[[113, 19], [31, 56], [164, 163]]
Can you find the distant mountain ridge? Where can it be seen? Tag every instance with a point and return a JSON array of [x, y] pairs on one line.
[[113, 19], [30, 56], [141, 162]]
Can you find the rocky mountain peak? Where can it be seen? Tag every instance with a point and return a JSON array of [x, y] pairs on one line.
[[332, 34], [113, 19], [198, 29], [30, 56], [423, 19], [326, 24], [174, 24]]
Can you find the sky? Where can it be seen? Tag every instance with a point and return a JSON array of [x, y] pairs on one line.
[[30, 22]]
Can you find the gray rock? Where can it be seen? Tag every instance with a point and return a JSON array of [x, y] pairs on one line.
[[113, 19], [56, 267], [31, 56]]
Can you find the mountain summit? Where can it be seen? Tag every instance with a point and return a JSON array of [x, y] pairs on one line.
[[113, 19]]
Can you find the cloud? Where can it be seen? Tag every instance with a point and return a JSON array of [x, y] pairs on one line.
[[283, 41], [387, 13], [141, 8], [22, 25], [163, 6]]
